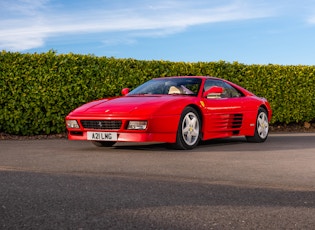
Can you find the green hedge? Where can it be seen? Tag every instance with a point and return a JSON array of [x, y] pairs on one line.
[[38, 90]]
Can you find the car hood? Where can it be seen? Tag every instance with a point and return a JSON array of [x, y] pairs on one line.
[[129, 106]]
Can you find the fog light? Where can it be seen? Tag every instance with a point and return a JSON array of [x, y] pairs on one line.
[[72, 124], [138, 125]]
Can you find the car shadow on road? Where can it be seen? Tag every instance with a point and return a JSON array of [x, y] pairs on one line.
[[273, 143]]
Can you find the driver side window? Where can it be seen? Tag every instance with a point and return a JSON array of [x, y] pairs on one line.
[[228, 90]]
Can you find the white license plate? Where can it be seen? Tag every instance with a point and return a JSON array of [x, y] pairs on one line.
[[102, 136]]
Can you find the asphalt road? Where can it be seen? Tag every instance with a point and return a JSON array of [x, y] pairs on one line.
[[222, 184]]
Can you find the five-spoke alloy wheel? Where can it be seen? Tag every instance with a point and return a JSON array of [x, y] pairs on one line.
[[189, 129], [262, 127]]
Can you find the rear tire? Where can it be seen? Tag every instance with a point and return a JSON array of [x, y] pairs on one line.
[[189, 129], [261, 129], [103, 143]]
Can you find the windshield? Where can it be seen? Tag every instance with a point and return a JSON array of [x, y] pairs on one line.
[[163, 86]]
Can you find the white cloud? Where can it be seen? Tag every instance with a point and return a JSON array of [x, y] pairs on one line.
[[311, 19], [38, 21], [22, 7]]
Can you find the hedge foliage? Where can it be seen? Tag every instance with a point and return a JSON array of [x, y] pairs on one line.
[[37, 91]]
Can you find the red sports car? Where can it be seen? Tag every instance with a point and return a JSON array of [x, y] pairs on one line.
[[177, 110]]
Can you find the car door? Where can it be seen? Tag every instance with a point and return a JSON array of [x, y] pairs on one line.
[[224, 112]]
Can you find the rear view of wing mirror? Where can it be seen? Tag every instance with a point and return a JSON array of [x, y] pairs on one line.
[[213, 92], [125, 91]]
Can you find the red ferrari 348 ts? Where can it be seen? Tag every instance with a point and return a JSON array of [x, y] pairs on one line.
[[177, 110]]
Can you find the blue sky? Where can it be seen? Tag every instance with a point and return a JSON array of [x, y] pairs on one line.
[[246, 31]]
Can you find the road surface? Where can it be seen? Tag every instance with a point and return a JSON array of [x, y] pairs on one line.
[[221, 184]]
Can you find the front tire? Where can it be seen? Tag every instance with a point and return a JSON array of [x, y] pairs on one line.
[[103, 143], [189, 129], [261, 129]]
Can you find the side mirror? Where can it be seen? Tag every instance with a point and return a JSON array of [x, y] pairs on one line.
[[125, 91], [213, 92]]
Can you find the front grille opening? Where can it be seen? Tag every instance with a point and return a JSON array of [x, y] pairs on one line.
[[101, 124]]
